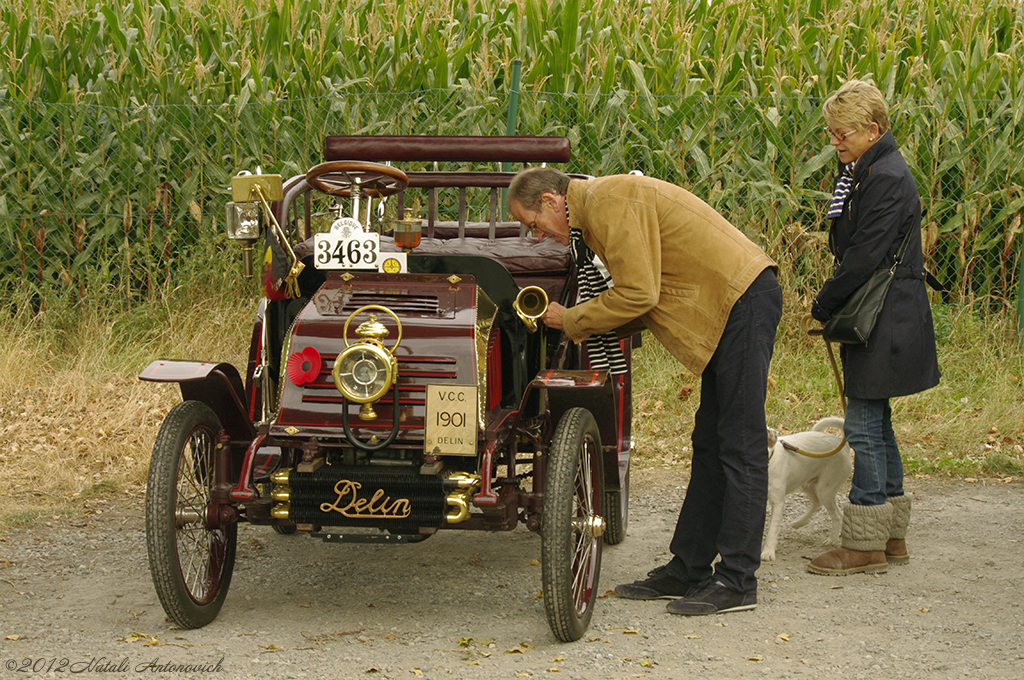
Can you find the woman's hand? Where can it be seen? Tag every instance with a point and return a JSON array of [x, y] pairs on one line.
[[819, 313]]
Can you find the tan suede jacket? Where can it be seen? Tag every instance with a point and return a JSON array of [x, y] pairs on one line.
[[677, 265]]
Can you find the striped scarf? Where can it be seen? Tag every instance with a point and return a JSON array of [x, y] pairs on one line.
[[842, 190], [604, 350]]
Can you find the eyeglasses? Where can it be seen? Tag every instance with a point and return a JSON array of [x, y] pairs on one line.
[[841, 136]]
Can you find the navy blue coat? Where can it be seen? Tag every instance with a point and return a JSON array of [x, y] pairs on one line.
[[900, 356]]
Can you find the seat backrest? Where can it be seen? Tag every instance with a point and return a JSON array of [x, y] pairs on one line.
[[447, 148]]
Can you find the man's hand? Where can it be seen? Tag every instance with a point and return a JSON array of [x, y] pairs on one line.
[[553, 316]]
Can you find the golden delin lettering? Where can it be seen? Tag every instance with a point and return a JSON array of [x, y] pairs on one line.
[[378, 506]]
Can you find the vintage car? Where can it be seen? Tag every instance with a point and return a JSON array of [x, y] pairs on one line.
[[398, 383]]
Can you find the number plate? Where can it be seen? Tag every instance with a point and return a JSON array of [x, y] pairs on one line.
[[450, 426], [361, 251]]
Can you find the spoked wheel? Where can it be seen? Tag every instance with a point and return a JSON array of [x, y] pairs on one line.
[[190, 561], [616, 512], [572, 525]]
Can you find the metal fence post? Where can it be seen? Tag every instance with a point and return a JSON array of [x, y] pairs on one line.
[[510, 124]]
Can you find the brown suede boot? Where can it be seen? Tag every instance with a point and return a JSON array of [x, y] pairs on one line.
[[865, 531], [896, 546]]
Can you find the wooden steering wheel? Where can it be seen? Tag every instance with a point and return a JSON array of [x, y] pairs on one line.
[[337, 178]]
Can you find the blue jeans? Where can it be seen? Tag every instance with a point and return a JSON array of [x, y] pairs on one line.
[[877, 466], [723, 511]]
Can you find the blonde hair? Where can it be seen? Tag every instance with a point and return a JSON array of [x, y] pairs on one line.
[[857, 104]]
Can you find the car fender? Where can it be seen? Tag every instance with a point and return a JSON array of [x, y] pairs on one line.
[[592, 390], [219, 386]]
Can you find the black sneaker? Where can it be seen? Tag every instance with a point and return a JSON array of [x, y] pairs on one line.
[[714, 598], [659, 583]]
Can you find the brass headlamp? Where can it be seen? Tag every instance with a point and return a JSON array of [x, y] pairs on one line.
[[366, 370]]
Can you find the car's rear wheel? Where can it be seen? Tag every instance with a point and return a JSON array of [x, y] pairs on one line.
[[616, 513], [191, 562], [572, 524]]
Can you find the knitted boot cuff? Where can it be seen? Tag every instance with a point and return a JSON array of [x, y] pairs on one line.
[[866, 527], [900, 516]]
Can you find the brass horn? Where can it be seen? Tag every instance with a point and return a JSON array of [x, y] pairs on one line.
[[530, 305]]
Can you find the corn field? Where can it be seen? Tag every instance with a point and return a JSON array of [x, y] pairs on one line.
[[123, 123]]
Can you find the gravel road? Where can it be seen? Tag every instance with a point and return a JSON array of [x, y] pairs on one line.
[[76, 598]]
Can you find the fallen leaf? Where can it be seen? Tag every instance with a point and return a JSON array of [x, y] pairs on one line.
[[647, 663], [553, 670], [558, 658], [925, 609], [755, 658], [13, 637], [630, 632], [527, 645], [534, 563], [147, 640], [783, 636], [417, 672], [514, 650]]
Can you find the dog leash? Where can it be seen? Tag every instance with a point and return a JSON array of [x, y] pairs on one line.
[[805, 325]]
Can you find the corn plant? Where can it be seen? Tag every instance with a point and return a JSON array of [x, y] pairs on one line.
[[122, 123]]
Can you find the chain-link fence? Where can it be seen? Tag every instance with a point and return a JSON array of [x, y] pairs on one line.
[[126, 197]]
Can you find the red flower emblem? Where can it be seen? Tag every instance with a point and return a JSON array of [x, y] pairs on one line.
[[304, 366]]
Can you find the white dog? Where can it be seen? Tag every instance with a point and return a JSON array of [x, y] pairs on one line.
[[820, 477]]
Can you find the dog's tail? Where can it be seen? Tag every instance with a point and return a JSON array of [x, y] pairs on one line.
[[825, 423]]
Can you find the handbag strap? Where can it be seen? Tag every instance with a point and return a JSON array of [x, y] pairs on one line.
[[902, 251]]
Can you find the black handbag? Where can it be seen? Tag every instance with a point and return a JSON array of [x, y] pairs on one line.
[[853, 323]]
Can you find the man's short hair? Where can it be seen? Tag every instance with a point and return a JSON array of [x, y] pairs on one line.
[[529, 185]]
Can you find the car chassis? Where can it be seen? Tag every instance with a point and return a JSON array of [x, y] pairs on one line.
[[474, 416]]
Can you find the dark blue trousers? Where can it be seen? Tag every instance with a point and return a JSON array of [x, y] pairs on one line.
[[723, 512]]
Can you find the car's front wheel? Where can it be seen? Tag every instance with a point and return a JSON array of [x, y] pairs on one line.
[[572, 524], [191, 561]]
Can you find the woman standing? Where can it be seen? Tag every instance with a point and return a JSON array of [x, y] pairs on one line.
[[875, 205]]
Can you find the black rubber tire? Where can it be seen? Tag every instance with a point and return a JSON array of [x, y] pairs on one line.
[[190, 562], [616, 514], [570, 545]]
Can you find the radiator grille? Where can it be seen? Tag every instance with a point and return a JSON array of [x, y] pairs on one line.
[[339, 302], [380, 493]]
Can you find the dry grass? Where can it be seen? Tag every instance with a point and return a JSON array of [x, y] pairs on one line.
[[971, 424], [76, 425]]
